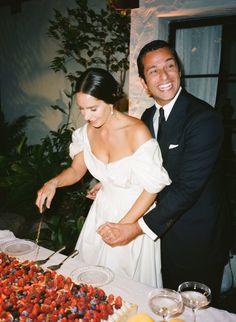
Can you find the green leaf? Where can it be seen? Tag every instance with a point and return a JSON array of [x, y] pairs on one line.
[[58, 108]]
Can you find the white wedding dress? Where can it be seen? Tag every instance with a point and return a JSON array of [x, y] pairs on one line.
[[122, 182]]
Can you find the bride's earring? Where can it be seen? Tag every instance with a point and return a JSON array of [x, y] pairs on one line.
[[112, 110]]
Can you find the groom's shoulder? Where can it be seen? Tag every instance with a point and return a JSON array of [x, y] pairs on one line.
[[149, 111]]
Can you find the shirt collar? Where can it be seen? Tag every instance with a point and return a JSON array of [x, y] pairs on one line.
[[168, 107]]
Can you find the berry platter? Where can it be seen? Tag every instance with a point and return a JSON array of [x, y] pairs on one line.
[[30, 294]]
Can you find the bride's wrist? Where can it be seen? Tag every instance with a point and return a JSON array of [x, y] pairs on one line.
[[52, 183]]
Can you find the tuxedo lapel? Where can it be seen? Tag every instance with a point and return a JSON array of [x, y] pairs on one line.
[[147, 118], [174, 125]]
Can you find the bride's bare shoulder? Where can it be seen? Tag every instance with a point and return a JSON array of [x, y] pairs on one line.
[[133, 121], [137, 131]]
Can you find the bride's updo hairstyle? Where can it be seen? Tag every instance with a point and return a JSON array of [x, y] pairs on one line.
[[100, 84]]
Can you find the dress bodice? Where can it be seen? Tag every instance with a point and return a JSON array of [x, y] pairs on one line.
[[143, 169]]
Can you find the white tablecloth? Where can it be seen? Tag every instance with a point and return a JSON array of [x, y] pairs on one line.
[[131, 291]]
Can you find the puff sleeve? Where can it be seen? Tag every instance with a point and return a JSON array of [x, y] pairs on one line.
[[78, 141], [148, 168]]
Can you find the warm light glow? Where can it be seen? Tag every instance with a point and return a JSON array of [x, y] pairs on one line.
[[123, 6]]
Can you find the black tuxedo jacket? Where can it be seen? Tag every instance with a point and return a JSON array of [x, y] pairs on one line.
[[190, 214]]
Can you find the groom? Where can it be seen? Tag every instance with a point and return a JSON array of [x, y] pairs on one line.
[[189, 216]]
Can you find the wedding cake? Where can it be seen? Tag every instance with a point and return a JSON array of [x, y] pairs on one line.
[[29, 293]]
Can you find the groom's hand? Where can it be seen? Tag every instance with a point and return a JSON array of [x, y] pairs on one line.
[[119, 234]]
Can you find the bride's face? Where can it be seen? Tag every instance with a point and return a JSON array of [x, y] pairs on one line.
[[94, 111]]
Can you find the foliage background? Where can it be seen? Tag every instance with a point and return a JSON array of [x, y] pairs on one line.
[[90, 38]]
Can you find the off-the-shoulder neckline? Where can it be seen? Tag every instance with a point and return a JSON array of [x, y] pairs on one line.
[[118, 160]]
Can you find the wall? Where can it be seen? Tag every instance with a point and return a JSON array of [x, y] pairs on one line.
[[150, 21], [28, 86]]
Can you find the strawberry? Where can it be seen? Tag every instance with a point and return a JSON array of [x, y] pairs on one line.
[[41, 317], [109, 309], [104, 315], [118, 302], [35, 310], [110, 298]]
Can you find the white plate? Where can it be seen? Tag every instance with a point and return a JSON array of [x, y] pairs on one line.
[[6, 234], [93, 275], [18, 247]]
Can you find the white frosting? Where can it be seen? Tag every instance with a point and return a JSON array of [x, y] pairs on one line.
[[122, 314]]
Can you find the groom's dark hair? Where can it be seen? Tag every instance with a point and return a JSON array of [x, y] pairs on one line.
[[151, 46]]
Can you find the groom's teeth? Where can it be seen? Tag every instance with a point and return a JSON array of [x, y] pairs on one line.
[[165, 86]]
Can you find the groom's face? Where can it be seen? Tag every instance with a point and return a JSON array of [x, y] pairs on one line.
[[162, 75]]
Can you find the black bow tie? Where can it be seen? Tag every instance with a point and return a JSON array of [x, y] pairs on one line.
[[161, 122]]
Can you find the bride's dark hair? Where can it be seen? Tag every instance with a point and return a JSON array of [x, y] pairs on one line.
[[99, 83]]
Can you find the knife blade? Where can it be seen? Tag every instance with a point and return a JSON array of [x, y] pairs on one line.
[[39, 228]]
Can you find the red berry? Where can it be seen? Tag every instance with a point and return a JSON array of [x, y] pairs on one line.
[[118, 302]]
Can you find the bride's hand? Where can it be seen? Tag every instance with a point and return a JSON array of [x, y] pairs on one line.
[[119, 234], [91, 194], [106, 232], [45, 195]]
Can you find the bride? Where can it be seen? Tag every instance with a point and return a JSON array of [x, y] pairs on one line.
[[119, 151]]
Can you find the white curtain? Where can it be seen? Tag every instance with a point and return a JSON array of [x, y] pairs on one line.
[[199, 50]]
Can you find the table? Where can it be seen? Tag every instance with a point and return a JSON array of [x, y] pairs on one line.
[[129, 290]]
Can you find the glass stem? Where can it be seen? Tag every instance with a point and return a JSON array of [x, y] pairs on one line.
[[194, 315]]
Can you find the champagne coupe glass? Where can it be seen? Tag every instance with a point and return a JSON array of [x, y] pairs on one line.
[[195, 295], [165, 302]]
